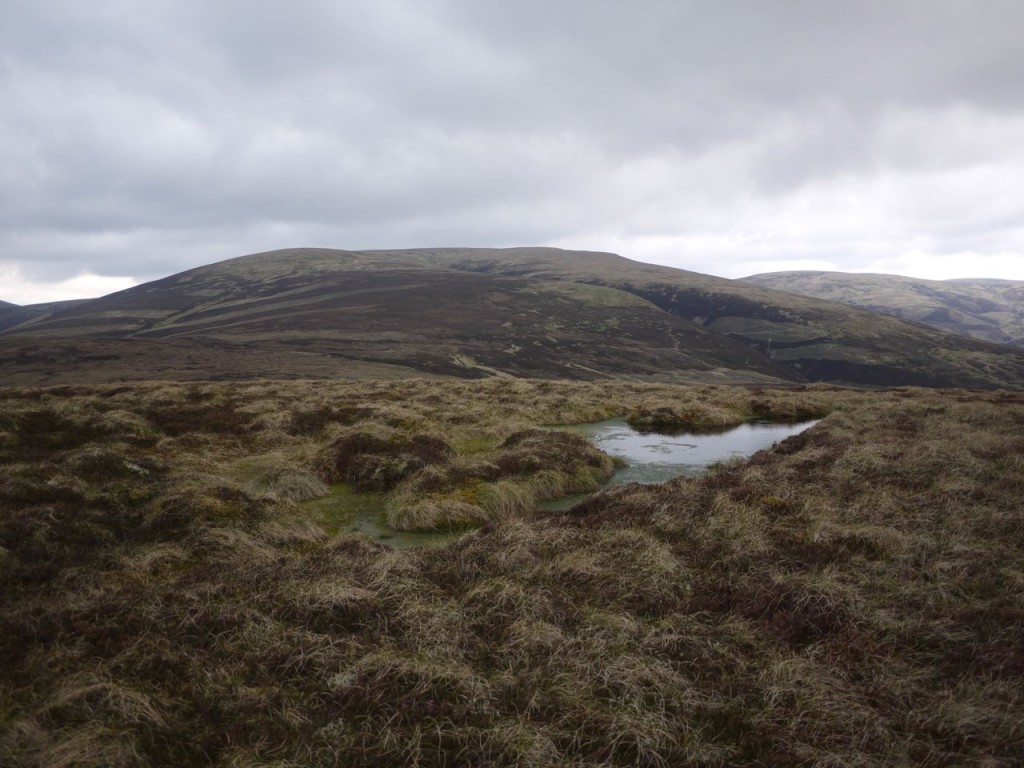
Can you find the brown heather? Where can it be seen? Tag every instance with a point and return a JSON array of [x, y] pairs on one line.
[[852, 597]]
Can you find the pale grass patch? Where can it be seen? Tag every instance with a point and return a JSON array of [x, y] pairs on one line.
[[535, 636], [737, 529], [979, 710], [249, 757], [276, 476], [395, 574], [387, 675], [91, 695], [505, 499], [237, 546], [294, 485], [514, 547], [876, 540], [576, 566], [548, 484], [435, 624], [461, 507], [124, 422], [610, 627], [810, 706], [292, 531], [525, 744], [436, 514], [91, 746], [321, 596], [149, 560]]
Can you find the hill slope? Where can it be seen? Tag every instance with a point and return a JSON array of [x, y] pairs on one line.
[[7, 310], [520, 312], [984, 309], [13, 315]]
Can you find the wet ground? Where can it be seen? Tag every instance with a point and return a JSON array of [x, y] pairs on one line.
[[650, 458], [655, 458]]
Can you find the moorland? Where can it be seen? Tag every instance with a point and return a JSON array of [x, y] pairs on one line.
[[476, 312], [981, 308], [173, 594]]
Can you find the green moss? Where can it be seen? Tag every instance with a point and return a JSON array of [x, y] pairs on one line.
[[348, 511], [339, 510]]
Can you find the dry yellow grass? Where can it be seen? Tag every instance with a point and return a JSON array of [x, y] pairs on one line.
[[851, 597]]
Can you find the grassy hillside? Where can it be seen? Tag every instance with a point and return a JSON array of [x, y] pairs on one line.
[[526, 312], [851, 597], [22, 317], [984, 309], [7, 312], [27, 360], [818, 340], [401, 310]]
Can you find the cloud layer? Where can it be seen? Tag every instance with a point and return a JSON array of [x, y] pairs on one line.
[[727, 137]]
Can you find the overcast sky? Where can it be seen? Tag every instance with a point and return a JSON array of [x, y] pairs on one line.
[[140, 138]]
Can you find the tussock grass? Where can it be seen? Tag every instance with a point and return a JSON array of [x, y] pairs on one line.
[[379, 460], [295, 485], [436, 514], [850, 597], [499, 484]]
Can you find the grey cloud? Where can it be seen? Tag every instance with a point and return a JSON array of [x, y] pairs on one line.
[[191, 131]]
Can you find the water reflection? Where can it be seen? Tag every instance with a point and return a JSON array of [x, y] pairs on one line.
[[655, 458], [651, 458]]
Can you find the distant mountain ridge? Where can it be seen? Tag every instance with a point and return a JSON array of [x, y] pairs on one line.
[[537, 312], [982, 308], [12, 315]]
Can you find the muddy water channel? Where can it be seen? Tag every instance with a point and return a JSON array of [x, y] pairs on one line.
[[654, 458]]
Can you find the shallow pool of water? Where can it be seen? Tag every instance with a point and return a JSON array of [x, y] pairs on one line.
[[655, 458], [650, 458], [344, 510]]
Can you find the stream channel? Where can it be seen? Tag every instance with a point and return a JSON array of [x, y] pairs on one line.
[[650, 457]]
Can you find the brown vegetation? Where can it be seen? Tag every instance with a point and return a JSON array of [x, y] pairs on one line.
[[528, 466], [469, 313], [851, 597]]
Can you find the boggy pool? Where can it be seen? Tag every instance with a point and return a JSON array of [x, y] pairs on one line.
[[653, 457], [650, 458]]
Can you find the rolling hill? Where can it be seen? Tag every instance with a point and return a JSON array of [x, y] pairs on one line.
[[14, 315], [983, 309], [537, 312]]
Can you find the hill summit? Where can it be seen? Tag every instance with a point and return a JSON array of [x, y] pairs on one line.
[[465, 312]]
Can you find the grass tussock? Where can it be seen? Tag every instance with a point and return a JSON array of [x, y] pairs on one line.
[[505, 482], [851, 597], [378, 461], [435, 514]]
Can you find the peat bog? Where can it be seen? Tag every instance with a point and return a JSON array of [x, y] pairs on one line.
[[172, 595]]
